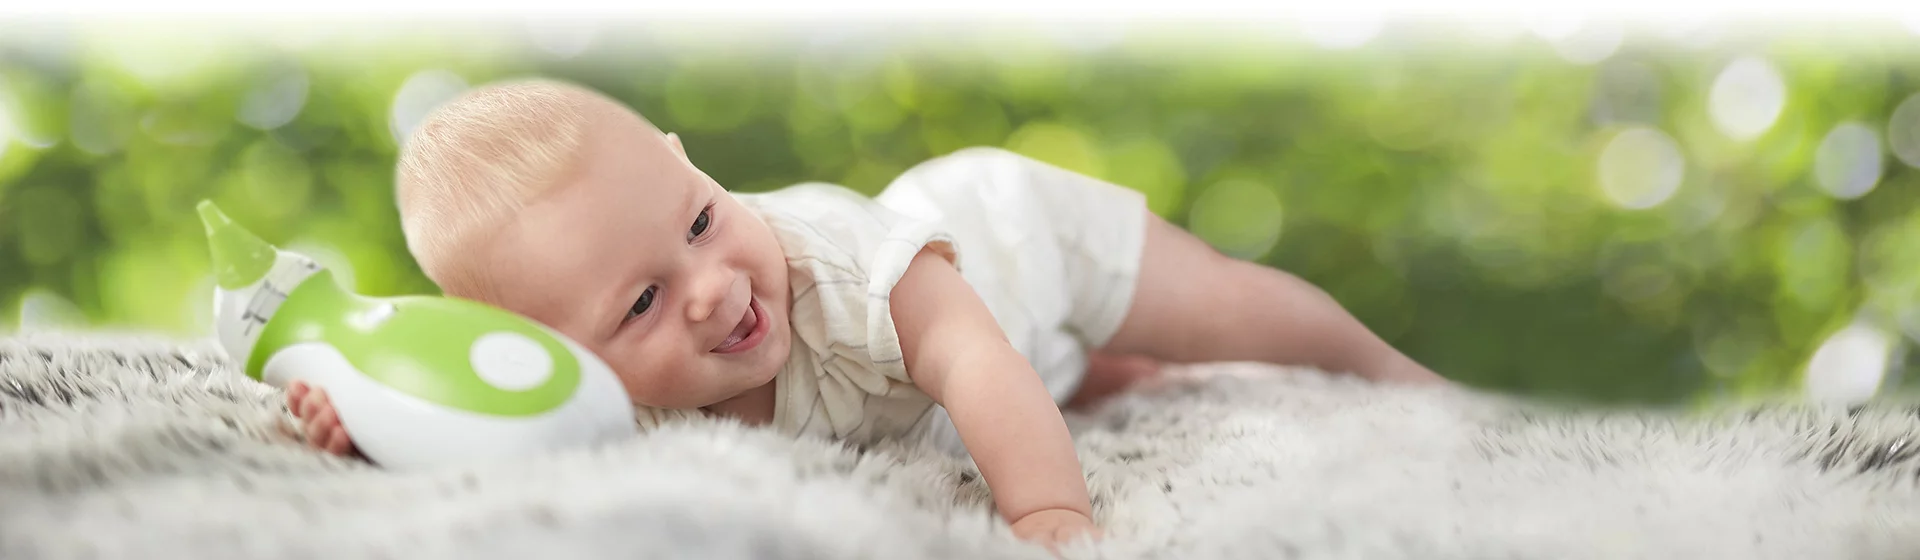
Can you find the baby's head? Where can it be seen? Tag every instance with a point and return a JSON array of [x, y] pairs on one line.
[[558, 203]]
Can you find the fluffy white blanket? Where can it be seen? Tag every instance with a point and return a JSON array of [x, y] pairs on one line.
[[123, 446]]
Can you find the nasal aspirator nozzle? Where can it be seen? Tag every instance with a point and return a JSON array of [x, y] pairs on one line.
[[416, 380]]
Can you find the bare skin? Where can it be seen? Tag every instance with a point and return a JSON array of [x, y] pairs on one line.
[[1245, 312], [624, 216], [1193, 304]]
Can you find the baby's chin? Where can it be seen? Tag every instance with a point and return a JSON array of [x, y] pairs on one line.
[[747, 381], [676, 398], [778, 346]]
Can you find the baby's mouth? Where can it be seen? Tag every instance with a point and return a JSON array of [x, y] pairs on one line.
[[748, 322]]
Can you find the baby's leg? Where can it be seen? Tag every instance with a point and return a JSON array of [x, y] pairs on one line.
[[1193, 304], [1109, 374]]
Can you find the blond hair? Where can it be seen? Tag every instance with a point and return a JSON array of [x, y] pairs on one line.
[[476, 160]]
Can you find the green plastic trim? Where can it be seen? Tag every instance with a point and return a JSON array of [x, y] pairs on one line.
[[421, 348]]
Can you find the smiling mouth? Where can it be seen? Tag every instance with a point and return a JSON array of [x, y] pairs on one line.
[[747, 333]]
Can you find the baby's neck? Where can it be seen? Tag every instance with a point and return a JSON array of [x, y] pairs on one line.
[[753, 407]]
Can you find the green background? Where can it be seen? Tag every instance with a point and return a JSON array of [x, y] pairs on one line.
[[1444, 181]]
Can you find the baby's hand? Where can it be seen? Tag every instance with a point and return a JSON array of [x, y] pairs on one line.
[[1051, 527], [318, 420]]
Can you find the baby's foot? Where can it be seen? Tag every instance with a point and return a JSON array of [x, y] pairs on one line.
[[318, 420]]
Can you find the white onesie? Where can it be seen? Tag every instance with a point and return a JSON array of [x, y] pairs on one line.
[[1053, 254]]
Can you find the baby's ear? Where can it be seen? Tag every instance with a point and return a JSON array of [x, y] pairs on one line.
[[674, 140]]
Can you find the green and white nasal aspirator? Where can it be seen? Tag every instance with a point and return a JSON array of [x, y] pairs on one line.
[[416, 380]]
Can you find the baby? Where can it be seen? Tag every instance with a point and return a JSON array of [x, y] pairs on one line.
[[961, 307]]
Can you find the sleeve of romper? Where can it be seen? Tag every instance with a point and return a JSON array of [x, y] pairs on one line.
[[855, 250]]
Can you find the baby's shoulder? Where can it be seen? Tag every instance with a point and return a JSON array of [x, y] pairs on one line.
[[823, 223], [812, 200], [828, 212]]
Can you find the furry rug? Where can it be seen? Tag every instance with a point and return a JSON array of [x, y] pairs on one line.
[[121, 446]]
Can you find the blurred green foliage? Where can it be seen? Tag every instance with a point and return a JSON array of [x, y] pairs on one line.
[[1469, 195]]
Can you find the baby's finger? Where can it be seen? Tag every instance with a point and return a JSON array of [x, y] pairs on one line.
[[327, 418], [295, 394], [337, 442], [320, 436], [315, 402], [316, 433]]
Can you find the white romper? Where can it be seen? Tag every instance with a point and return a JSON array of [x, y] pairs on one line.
[[1053, 254]]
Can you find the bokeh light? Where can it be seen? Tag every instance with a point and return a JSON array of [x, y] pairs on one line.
[[1747, 97], [1239, 218], [1149, 165], [1564, 212], [100, 117], [1060, 144], [1889, 263], [42, 309], [1903, 131], [1730, 352], [27, 117], [1847, 164], [329, 257], [166, 58], [183, 124], [197, 307], [1813, 264], [1640, 168], [7, 127], [419, 96], [276, 100], [1910, 323], [276, 181], [1849, 365]]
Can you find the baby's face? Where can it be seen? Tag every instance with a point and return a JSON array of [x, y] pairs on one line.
[[653, 266]]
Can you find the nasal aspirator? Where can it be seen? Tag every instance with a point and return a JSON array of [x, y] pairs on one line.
[[416, 380]]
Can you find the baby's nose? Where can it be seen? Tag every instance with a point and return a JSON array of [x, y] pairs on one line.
[[711, 294]]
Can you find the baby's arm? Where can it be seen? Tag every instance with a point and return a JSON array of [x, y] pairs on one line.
[[957, 354]]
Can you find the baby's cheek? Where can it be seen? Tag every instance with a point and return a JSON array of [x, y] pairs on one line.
[[650, 381]]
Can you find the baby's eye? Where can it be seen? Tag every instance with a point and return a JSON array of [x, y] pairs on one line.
[[640, 305], [700, 224]]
